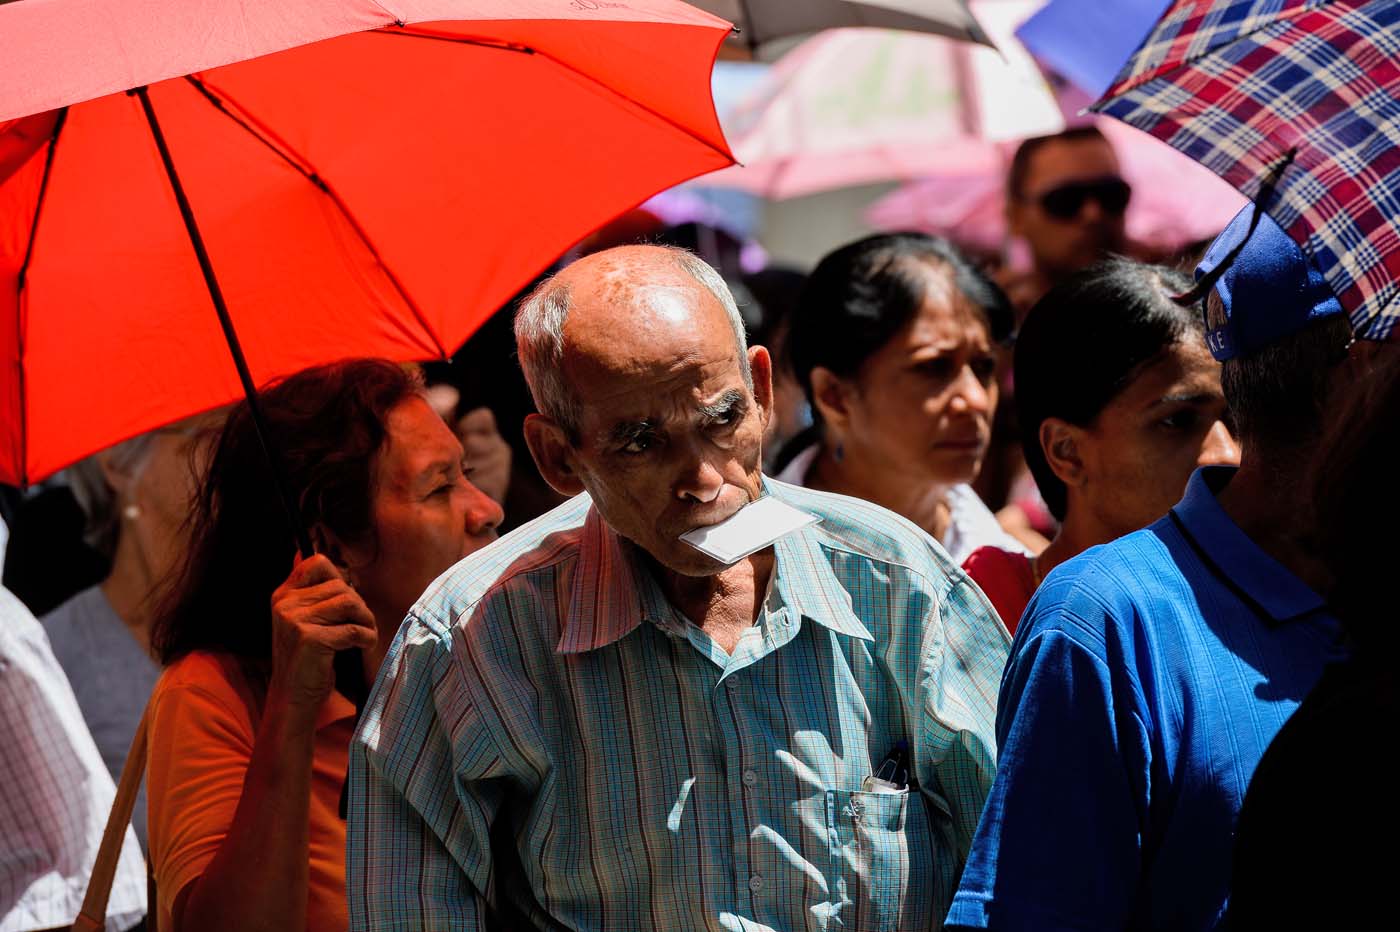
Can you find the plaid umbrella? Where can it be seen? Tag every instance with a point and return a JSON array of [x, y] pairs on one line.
[[1303, 91]]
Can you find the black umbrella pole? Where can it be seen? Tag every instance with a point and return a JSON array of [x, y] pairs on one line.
[[230, 335], [349, 670]]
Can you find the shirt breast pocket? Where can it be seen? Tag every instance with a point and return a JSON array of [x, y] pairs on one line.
[[882, 860]]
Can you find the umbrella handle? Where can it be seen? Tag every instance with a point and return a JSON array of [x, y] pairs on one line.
[[349, 669]]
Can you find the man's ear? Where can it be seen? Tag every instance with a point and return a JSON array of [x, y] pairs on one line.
[[761, 369], [1062, 443], [831, 396], [553, 454]]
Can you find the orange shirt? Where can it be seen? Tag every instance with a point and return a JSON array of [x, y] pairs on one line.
[[203, 721]]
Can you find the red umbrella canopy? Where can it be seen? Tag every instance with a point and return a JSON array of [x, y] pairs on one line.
[[374, 183]]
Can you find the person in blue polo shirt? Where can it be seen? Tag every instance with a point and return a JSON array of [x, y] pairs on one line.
[[1149, 674]]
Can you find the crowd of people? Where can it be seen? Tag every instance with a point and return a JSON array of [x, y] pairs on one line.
[[1084, 585]]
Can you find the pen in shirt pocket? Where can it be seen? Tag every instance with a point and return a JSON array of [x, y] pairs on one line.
[[892, 776]]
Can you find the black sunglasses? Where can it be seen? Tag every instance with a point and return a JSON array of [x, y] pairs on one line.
[[1065, 202]]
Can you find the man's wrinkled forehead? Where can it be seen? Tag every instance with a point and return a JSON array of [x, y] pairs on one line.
[[647, 303], [627, 316], [622, 282], [669, 361]]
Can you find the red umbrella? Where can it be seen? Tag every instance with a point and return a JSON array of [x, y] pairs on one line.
[[371, 183]]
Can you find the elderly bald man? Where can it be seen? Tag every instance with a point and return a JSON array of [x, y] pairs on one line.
[[593, 725]]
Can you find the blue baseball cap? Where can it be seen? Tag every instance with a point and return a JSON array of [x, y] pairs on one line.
[[1269, 291]]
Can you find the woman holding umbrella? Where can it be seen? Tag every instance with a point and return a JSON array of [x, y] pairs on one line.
[[248, 735]]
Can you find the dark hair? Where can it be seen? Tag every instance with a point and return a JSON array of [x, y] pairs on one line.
[[327, 425], [1350, 485], [1021, 161], [1277, 394], [775, 290], [1086, 341], [859, 296]]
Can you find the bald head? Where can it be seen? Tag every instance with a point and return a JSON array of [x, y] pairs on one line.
[[617, 309]]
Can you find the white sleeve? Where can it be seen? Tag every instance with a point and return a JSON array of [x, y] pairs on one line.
[[56, 792]]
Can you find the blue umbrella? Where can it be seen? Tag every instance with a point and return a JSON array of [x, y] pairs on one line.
[[1087, 41]]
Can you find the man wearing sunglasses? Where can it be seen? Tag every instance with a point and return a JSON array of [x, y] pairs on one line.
[[1066, 199]]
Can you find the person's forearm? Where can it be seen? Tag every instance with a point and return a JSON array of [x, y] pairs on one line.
[[258, 879]]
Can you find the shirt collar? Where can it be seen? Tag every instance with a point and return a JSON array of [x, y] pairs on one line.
[[807, 584], [613, 592], [1231, 552]]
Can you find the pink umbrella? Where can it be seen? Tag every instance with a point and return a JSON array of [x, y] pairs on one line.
[[854, 106], [1175, 200]]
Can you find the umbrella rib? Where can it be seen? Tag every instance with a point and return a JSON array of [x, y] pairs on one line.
[[39, 202], [20, 281], [500, 45], [218, 103], [267, 137], [529, 50]]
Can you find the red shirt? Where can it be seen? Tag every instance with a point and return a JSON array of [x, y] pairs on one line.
[[1006, 578]]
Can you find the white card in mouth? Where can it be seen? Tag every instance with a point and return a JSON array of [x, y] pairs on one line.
[[750, 529]]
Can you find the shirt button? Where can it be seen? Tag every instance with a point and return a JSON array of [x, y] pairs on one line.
[[750, 778], [732, 683], [755, 883]]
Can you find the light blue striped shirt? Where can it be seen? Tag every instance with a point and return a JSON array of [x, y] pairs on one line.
[[548, 732]]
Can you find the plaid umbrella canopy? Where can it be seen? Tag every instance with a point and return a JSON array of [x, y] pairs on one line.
[[1306, 91]]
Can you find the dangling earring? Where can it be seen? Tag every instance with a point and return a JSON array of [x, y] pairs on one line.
[[839, 453], [131, 512]]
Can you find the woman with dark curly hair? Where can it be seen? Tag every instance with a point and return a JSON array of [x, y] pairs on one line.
[[249, 737]]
